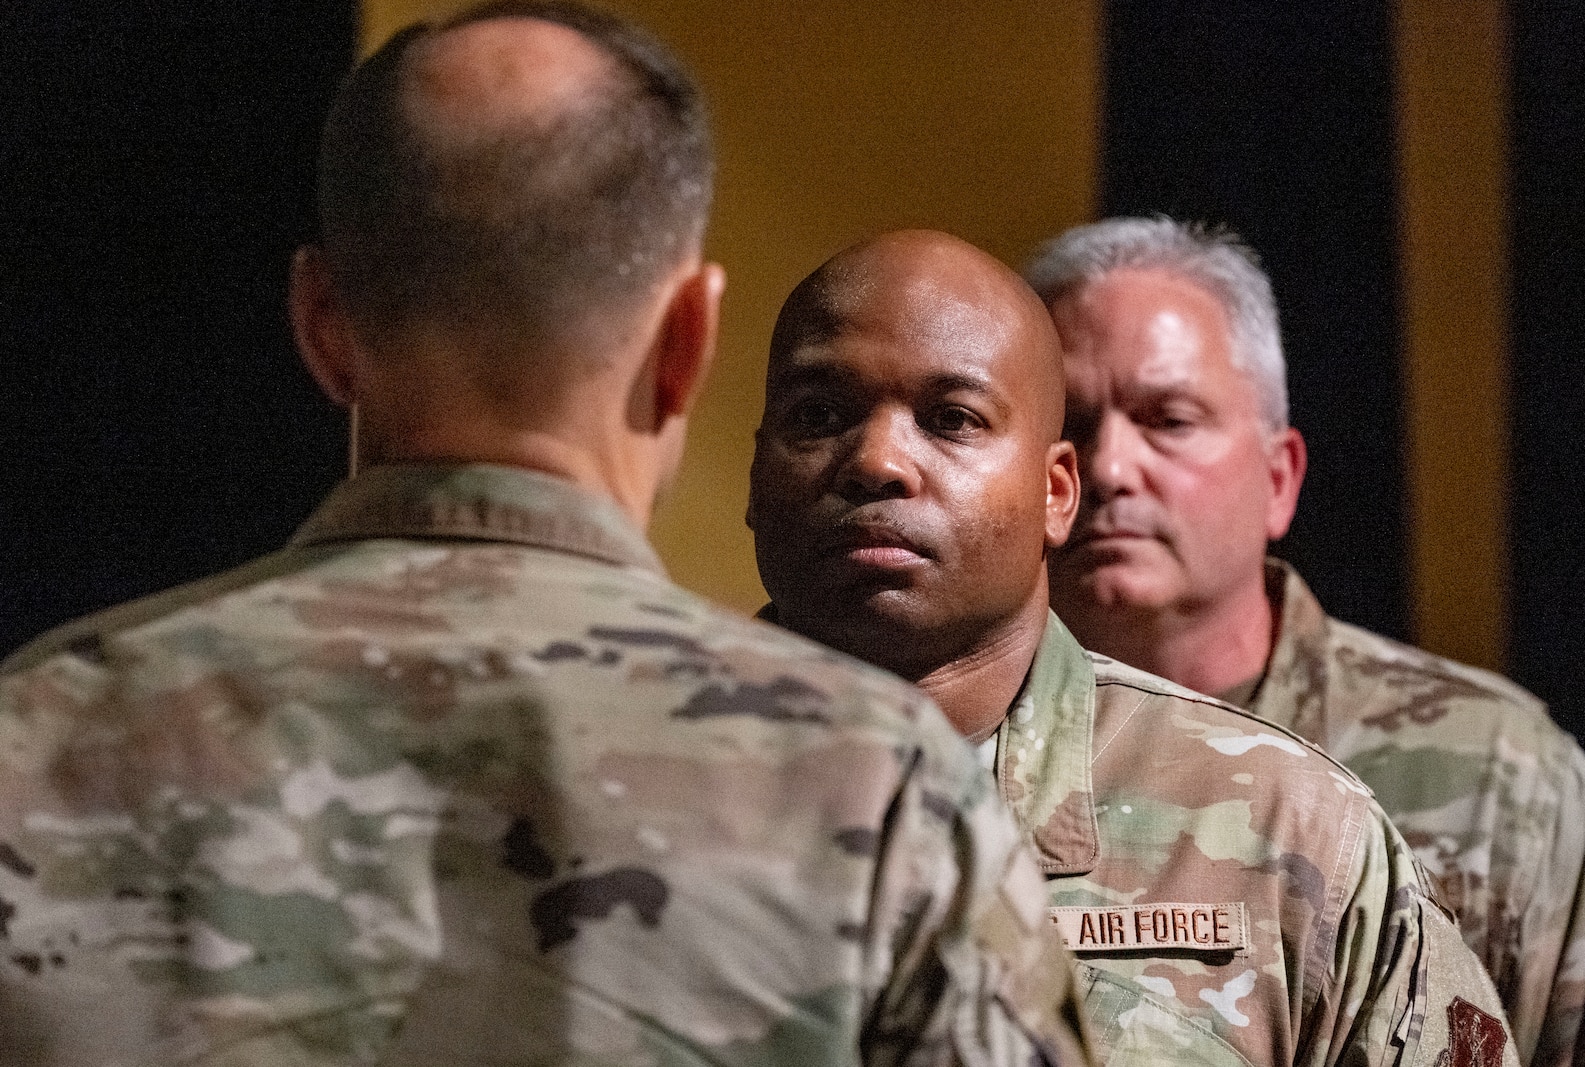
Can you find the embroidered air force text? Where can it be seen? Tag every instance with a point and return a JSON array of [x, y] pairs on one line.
[[1195, 927]]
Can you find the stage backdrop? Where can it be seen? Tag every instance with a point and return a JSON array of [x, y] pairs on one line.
[[1409, 171]]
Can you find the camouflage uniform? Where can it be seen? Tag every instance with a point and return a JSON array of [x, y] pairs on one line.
[[458, 777], [1234, 896], [1488, 791]]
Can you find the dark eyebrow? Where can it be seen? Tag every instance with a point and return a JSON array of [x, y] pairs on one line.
[[790, 374], [1169, 391], [968, 383], [947, 383]]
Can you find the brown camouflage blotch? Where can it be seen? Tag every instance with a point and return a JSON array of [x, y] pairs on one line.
[[1422, 694], [368, 612]]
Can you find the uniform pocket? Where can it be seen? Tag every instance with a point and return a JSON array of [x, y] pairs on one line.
[[1135, 1028]]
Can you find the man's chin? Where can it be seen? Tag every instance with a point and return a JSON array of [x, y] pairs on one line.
[[885, 627], [1110, 587], [883, 611]]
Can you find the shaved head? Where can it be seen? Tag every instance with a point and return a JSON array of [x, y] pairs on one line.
[[925, 286], [523, 173], [909, 475]]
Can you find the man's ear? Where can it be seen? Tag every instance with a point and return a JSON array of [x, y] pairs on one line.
[[1285, 462], [1062, 492], [685, 343], [324, 336]]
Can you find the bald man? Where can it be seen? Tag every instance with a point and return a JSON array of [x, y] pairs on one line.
[[1234, 895], [458, 777]]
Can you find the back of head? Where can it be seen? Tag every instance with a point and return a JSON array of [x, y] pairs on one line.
[[499, 214], [1216, 260]]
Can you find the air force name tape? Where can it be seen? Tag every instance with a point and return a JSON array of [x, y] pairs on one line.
[[1134, 927]]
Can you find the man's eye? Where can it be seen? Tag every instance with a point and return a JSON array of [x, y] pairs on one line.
[[953, 420], [812, 416]]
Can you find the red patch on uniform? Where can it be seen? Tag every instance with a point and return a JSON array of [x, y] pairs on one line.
[[1476, 1038]]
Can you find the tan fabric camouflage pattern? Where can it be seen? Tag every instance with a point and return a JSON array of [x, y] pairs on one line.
[[1488, 791], [459, 778], [1248, 903]]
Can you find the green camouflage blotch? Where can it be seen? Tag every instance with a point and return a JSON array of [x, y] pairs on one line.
[[1488, 790]]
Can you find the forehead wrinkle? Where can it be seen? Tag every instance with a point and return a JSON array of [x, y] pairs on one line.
[[984, 316], [1180, 347], [1176, 348], [1180, 362], [818, 365]]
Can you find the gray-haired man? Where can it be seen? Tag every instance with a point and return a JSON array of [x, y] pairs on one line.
[[1178, 406]]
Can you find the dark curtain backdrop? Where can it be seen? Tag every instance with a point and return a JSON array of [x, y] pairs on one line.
[[1549, 354], [155, 173]]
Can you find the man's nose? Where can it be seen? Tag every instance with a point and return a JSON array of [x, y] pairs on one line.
[[1113, 464], [880, 463]]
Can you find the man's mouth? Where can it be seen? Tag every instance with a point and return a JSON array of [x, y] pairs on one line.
[[1108, 538], [1118, 523], [878, 547], [1111, 533]]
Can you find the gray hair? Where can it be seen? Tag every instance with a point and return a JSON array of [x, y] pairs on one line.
[[1217, 260]]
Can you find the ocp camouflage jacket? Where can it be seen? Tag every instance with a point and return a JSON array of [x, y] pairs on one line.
[[1488, 791], [1233, 894], [459, 778]]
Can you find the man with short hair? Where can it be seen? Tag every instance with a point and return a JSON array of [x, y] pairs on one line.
[[458, 777], [1235, 896], [1178, 405]]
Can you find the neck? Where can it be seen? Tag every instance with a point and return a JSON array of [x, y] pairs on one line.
[[975, 681], [977, 689], [437, 396], [1210, 649], [610, 465], [972, 676]]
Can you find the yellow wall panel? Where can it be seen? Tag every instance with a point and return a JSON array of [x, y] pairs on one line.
[[1452, 135], [836, 120]]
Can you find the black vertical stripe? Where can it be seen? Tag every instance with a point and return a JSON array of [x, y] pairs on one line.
[[1276, 119], [1548, 256], [156, 168]]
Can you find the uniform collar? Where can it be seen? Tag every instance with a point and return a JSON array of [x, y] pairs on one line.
[[1044, 754], [1044, 749], [1293, 692], [478, 502]]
